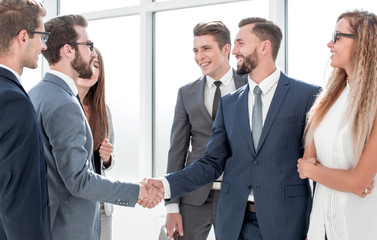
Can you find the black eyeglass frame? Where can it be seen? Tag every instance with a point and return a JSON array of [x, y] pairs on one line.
[[336, 34], [45, 35], [90, 44]]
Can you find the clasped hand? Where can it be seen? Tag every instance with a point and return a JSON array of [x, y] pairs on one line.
[[151, 192], [303, 165]]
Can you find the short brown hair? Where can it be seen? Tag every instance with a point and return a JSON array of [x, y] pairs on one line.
[[62, 32], [17, 15], [265, 30], [215, 28]]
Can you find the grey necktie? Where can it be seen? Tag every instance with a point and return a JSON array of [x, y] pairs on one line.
[[257, 116], [216, 99]]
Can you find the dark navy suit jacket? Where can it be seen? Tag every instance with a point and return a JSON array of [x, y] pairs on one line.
[[282, 200], [24, 212]]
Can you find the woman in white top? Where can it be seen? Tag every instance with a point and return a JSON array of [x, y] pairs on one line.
[[341, 136]]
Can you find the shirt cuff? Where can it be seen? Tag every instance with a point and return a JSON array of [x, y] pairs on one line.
[[166, 184], [172, 208]]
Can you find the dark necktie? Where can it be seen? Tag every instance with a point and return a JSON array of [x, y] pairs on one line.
[[216, 99], [78, 98], [257, 116]]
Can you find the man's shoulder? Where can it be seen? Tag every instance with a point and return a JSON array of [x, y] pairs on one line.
[[193, 85], [50, 96], [300, 84], [9, 91]]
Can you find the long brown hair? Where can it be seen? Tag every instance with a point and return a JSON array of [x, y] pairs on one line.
[[95, 101], [362, 104]]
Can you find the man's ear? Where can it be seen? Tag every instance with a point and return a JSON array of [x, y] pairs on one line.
[[226, 48], [67, 51], [266, 47], [22, 38]]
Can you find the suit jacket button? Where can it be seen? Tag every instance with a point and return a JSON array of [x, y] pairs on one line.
[[249, 186], [255, 162]]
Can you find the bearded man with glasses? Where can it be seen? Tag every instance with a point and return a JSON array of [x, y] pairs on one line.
[[75, 189]]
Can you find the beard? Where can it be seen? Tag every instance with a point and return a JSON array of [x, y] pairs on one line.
[[84, 69], [249, 64]]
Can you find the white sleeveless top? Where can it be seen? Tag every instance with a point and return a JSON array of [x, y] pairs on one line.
[[342, 215]]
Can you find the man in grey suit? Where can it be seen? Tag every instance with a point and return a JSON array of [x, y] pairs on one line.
[[192, 215], [75, 190]]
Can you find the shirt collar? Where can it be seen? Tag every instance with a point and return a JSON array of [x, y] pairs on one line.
[[266, 84], [12, 71], [225, 79], [66, 79]]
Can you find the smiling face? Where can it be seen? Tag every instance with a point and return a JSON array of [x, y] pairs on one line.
[[212, 60], [341, 51], [245, 50]]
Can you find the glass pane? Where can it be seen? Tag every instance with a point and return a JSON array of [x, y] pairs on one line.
[[122, 69], [30, 77], [308, 54], [83, 6], [175, 65]]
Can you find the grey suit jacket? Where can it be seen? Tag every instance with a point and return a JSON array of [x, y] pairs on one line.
[[74, 188], [192, 125]]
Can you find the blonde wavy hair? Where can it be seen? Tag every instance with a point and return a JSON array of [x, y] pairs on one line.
[[362, 104]]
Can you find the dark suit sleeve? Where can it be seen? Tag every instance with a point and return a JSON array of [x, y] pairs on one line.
[[21, 198], [209, 166], [179, 138], [312, 98]]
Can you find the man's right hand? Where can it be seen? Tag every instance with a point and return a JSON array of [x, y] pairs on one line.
[[149, 195], [174, 225]]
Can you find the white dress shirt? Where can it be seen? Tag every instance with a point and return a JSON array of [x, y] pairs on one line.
[[226, 87]]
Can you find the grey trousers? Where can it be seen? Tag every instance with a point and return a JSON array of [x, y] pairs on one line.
[[197, 220]]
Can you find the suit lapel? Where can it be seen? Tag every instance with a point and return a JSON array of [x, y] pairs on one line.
[[278, 99], [243, 114], [200, 100]]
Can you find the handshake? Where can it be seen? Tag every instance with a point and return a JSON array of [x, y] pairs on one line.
[[151, 192]]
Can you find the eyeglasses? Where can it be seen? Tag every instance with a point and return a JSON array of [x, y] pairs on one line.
[[335, 36], [44, 37], [89, 44]]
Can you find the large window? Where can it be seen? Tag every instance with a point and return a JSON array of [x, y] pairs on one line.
[[30, 77], [310, 25], [119, 42], [174, 61], [75, 6]]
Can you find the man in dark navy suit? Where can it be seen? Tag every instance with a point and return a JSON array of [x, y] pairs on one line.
[[256, 140], [24, 208]]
